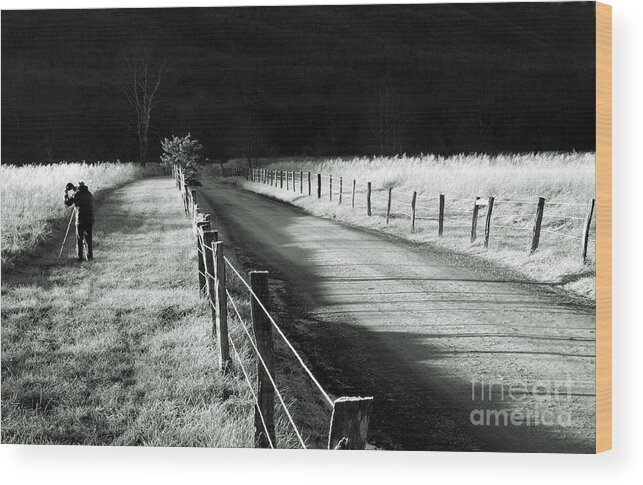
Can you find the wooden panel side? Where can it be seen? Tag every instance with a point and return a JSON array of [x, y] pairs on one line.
[[603, 227]]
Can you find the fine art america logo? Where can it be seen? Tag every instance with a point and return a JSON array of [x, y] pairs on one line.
[[519, 403]]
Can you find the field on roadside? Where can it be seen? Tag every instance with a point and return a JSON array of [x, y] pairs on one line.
[[32, 198], [119, 351], [565, 180], [116, 351]]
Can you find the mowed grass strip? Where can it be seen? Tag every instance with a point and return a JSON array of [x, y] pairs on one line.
[[118, 351], [31, 199]]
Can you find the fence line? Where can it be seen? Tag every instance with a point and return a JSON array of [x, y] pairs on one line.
[[281, 334], [350, 415], [394, 204], [268, 373], [252, 391]]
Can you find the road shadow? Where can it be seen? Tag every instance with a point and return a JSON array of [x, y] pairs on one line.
[[418, 404]]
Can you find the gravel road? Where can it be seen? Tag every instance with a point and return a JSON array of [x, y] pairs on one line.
[[456, 357]]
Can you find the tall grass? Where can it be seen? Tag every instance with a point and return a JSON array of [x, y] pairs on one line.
[[556, 176], [32, 197], [565, 180]]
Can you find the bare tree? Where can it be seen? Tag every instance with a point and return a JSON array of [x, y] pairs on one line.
[[142, 76]]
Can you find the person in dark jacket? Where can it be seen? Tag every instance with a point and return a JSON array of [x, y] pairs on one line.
[[83, 200]]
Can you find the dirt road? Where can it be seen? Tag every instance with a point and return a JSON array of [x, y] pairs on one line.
[[456, 358]]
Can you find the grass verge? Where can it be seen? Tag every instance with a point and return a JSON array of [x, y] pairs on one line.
[[565, 180], [118, 351], [310, 412], [32, 198]]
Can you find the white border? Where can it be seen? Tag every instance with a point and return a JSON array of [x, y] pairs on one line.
[[69, 465]]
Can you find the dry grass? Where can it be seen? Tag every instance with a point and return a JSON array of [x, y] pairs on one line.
[[565, 180], [32, 198], [119, 351]]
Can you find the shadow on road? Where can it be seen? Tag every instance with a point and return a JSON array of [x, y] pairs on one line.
[[343, 309]]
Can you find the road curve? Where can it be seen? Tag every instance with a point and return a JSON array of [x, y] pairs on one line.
[[456, 358]]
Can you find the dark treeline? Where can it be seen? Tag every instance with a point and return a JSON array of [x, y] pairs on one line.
[[304, 80]]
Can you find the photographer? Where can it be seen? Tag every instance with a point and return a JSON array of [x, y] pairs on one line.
[[83, 200]]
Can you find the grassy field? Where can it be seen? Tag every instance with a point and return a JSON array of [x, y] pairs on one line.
[[565, 180], [32, 198], [118, 351]]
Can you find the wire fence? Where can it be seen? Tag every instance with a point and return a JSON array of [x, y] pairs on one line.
[[571, 223], [350, 415]]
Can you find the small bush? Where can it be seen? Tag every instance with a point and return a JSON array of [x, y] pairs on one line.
[[187, 153]]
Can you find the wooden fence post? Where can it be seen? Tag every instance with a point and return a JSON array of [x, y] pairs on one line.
[[193, 198], [368, 199], [262, 326], [195, 217], [330, 187], [209, 237], [349, 423], [309, 185], [474, 220], [413, 201], [319, 186], [487, 223], [281, 179], [586, 226], [287, 180], [221, 305], [301, 181], [341, 186], [540, 209], [353, 195], [388, 205], [201, 226], [441, 216]]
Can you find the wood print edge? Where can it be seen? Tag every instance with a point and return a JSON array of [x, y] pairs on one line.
[[603, 227]]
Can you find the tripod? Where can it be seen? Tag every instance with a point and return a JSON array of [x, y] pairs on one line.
[[73, 213]]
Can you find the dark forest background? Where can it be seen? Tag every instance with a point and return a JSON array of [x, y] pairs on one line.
[[304, 80]]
